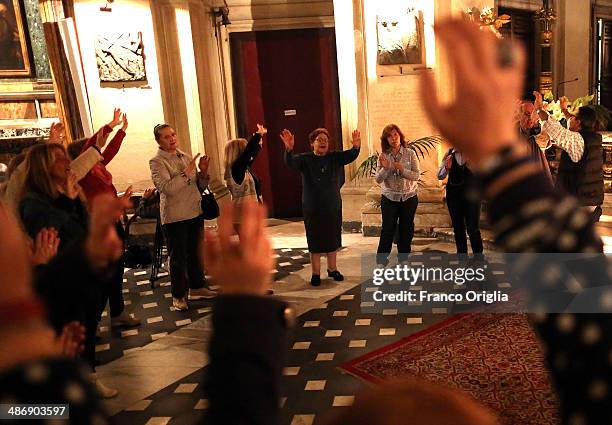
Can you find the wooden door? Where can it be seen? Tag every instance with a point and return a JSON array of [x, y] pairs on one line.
[[522, 27], [605, 65], [285, 79]]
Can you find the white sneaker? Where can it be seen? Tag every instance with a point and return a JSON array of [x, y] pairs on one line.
[[103, 390], [124, 319], [180, 304], [200, 293]]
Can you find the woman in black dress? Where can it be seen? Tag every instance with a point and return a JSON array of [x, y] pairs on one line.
[[321, 170]]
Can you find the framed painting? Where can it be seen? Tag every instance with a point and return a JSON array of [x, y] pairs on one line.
[[400, 37], [14, 47]]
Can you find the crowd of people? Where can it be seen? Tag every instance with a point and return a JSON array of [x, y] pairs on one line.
[[61, 247]]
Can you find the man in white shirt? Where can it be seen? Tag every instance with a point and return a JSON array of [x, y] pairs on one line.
[[581, 165]]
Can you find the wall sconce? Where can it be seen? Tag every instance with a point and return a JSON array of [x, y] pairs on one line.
[[223, 13], [546, 16], [107, 8]]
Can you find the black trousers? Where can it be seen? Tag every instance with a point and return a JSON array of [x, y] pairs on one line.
[[184, 239], [465, 215], [113, 291], [392, 214]]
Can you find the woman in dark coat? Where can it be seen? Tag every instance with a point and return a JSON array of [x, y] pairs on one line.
[[464, 211], [321, 170], [52, 200]]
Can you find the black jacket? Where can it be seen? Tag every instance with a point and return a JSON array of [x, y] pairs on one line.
[[247, 355], [584, 179], [245, 160]]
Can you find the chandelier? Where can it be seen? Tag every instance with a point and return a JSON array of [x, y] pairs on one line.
[[487, 19]]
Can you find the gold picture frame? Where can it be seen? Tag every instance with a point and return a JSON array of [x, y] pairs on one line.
[[14, 47]]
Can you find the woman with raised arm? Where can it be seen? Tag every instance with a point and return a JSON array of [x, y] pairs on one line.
[[321, 172], [239, 179]]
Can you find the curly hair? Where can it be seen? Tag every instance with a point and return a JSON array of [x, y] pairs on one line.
[[313, 135]]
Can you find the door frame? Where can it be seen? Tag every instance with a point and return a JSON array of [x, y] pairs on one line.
[[598, 12], [257, 25]]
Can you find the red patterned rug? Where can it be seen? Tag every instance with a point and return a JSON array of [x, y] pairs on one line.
[[496, 358]]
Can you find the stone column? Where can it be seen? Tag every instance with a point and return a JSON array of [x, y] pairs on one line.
[[192, 93]]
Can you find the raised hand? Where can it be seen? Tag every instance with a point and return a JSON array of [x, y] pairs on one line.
[[448, 162], [57, 133], [539, 100], [71, 341], [261, 130], [488, 79], [288, 139], [191, 167], [356, 139], [203, 164], [101, 138], [45, 246], [72, 188], [116, 118], [240, 267], [103, 246], [148, 193], [563, 102], [125, 122]]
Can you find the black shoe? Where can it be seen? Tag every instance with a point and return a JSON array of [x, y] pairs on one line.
[[315, 280], [597, 214], [382, 260], [336, 275]]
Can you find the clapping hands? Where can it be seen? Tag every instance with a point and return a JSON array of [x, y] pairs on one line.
[[44, 247], [71, 342], [383, 161], [103, 246]]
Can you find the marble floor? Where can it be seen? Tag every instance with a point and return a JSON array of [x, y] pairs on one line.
[[159, 381]]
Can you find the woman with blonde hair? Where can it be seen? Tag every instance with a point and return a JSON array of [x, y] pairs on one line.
[[52, 200], [239, 156], [51, 195]]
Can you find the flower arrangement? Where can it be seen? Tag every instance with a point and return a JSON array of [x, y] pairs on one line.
[[553, 107]]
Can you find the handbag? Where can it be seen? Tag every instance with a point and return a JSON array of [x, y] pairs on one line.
[[210, 208]]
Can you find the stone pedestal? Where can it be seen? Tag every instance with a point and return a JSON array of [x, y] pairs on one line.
[[353, 199]]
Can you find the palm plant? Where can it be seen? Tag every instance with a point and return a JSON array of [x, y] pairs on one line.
[[422, 146]]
